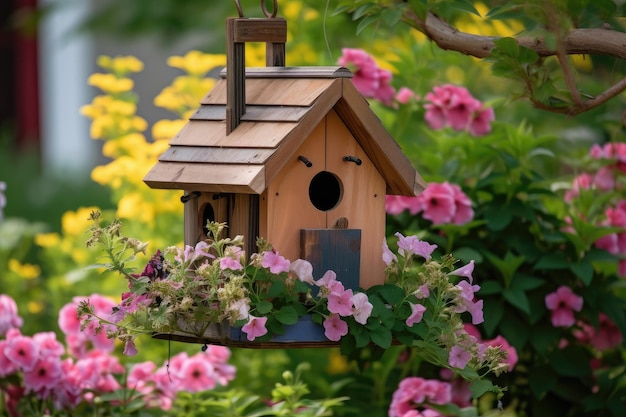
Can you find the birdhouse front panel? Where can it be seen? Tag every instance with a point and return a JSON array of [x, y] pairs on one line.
[[331, 184]]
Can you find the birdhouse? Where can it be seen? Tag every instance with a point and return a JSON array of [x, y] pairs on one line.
[[291, 154]]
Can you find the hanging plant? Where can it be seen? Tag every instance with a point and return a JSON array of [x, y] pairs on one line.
[[198, 291]]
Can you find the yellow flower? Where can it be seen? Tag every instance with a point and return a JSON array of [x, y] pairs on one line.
[[133, 206], [109, 83], [120, 65], [455, 75], [34, 307], [47, 240], [337, 363], [167, 129], [77, 222], [582, 62], [302, 54], [26, 271], [124, 145], [255, 54], [196, 62]]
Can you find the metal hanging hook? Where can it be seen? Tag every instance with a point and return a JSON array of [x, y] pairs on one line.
[[239, 9], [266, 12]]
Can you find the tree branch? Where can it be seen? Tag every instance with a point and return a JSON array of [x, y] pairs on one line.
[[601, 41]]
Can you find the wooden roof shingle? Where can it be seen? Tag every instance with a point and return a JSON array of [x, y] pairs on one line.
[[283, 106]]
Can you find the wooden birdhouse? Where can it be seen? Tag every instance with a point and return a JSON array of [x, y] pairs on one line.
[[291, 154]]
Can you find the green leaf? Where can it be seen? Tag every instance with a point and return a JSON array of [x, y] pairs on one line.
[[583, 270], [481, 387], [571, 361], [381, 337], [541, 380], [518, 299], [508, 46], [365, 23], [264, 307], [392, 294], [391, 17], [490, 287], [287, 315]]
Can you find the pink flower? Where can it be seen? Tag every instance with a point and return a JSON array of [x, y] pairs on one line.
[[463, 206], [606, 336], [422, 292], [255, 327], [511, 352], [417, 312], [563, 302], [465, 271], [459, 357], [416, 392], [362, 307], [370, 80], [395, 204], [303, 270], [480, 124], [129, 348], [410, 245], [465, 302], [404, 95], [335, 328], [48, 344], [22, 351], [327, 279], [340, 302], [454, 106], [233, 264], [197, 374], [44, 375], [388, 256], [7, 366], [8, 314], [438, 203], [275, 262]]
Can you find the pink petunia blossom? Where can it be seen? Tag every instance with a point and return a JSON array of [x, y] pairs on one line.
[[303, 270], [7, 366], [417, 312], [422, 292], [459, 357], [228, 262], [44, 375], [22, 351], [606, 336], [255, 327], [129, 348], [388, 256], [340, 302], [465, 271], [9, 319], [411, 245], [563, 302], [415, 393], [370, 80], [465, 302], [438, 203], [404, 95], [463, 212], [362, 308], [335, 328], [197, 374], [454, 106], [48, 344], [275, 262], [327, 279]]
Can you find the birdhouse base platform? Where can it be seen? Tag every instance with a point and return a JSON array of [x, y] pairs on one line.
[[304, 334]]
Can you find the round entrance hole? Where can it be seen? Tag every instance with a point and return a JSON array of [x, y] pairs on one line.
[[325, 191], [208, 215]]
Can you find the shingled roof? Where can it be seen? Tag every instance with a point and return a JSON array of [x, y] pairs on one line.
[[283, 106]]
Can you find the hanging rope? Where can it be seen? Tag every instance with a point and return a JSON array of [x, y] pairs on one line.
[[266, 13], [263, 7]]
